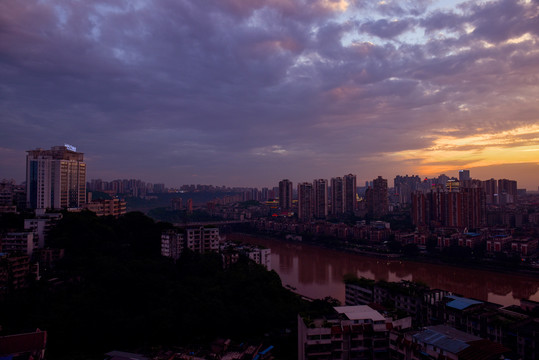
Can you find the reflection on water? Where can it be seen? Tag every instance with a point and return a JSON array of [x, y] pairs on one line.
[[317, 272]]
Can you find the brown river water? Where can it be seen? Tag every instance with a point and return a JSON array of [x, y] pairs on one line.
[[317, 272]]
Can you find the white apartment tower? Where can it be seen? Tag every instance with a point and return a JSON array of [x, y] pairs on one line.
[[55, 178]]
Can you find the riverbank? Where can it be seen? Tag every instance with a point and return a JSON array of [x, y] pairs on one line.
[[505, 268], [317, 272]]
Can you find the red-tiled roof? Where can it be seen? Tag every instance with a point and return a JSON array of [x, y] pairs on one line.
[[23, 343]]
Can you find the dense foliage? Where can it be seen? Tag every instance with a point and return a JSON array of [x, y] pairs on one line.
[[115, 291]]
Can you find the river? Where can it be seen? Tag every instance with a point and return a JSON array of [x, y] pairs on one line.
[[317, 272]]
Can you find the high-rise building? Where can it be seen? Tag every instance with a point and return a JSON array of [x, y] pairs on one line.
[[305, 201], [491, 190], [464, 175], [337, 196], [320, 188], [404, 186], [463, 209], [507, 186], [285, 194], [350, 190], [377, 198], [55, 178]]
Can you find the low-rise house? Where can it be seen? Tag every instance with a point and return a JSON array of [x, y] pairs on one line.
[[471, 240], [526, 247], [442, 342], [498, 243]]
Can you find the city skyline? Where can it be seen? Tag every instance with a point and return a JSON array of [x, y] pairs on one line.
[[360, 184], [249, 93]]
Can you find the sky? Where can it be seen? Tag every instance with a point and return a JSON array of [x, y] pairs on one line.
[[248, 92]]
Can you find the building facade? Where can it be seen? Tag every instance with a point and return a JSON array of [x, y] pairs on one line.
[[350, 191], [377, 198], [351, 332], [465, 208], [337, 196], [55, 178], [320, 188], [285, 194], [198, 239], [305, 201], [107, 207]]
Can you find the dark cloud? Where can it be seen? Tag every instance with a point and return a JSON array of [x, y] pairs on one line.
[[502, 20], [214, 88], [387, 29], [442, 20], [394, 7]]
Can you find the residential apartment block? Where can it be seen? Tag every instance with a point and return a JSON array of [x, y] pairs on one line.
[[22, 243], [41, 225], [107, 207], [198, 239]]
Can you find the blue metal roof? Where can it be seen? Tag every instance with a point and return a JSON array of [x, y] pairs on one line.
[[441, 341], [265, 351], [461, 303]]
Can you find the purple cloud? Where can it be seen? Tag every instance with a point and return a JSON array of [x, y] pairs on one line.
[[167, 89]]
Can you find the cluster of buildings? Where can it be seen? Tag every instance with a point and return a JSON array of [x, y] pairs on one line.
[[56, 179], [375, 232], [12, 196], [410, 321], [23, 253], [459, 203], [363, 332], [497, 192], [206, 239], [131, 187], [347, 332], [459, 208], [492, 216], [322, 199], [444, 324]]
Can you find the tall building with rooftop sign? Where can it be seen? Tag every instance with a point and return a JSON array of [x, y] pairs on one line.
[[55, 178]]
